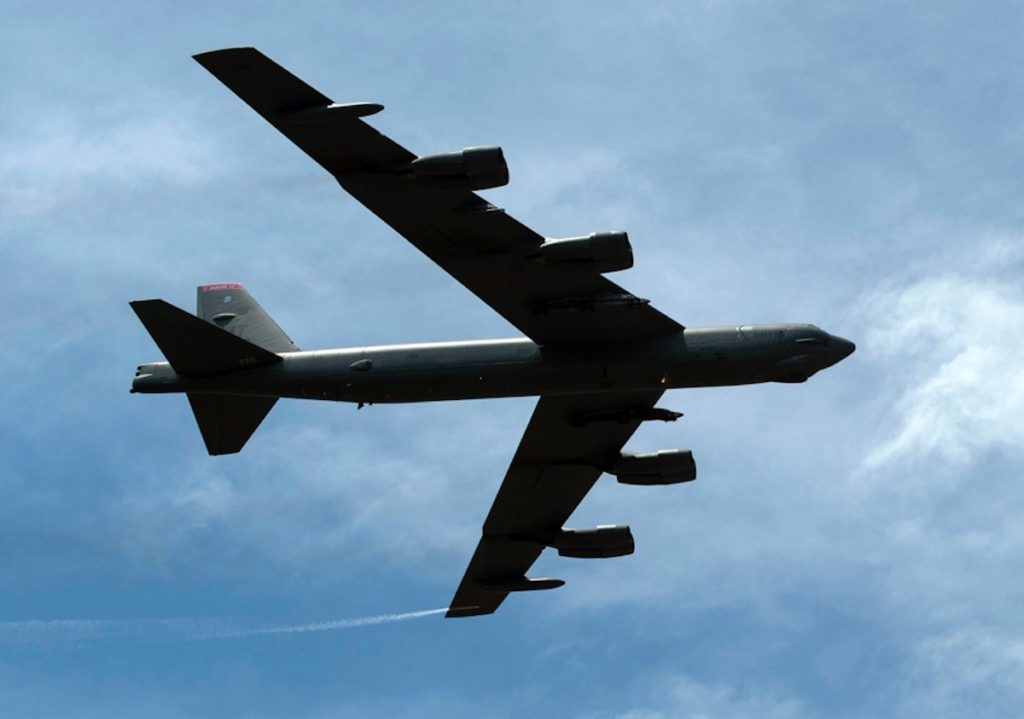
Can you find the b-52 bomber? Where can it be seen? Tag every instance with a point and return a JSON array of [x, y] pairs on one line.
[[598, 357]]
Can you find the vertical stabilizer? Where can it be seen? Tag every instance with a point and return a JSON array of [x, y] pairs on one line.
[[232, 308]]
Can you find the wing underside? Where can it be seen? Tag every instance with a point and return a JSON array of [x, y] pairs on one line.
[[481, 246], [568, 443]]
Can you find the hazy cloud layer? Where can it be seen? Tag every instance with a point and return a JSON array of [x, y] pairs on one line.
[[852, 545]]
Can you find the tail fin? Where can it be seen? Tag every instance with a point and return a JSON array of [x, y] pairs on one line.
[[231, 307], [232, 332]]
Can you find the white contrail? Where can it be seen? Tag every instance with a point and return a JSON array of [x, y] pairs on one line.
[[320, 626], [64, 631]]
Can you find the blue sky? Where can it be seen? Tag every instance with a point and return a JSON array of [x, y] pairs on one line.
[[852, 547]]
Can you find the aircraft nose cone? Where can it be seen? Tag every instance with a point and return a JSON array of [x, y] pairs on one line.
[[842, 348]]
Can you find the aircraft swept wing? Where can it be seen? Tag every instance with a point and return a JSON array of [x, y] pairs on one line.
[[570, 440], [478, 244], [568, 443]]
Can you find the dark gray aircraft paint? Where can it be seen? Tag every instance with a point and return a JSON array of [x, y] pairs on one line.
[[598, 357]]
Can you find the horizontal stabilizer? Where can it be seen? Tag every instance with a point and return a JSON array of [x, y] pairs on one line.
[[227, 421], [194, 346]]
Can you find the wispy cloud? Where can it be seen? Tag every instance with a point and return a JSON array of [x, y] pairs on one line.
[[299, 509], [767, 161], [956, 341], [970, 671], [65, 159]]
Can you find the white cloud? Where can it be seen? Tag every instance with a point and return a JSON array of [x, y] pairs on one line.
[[973, 671], [956, 342], [727, 144], [67, 157], [392, 484]]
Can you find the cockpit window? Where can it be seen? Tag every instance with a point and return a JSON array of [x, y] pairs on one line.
[[814, 337]]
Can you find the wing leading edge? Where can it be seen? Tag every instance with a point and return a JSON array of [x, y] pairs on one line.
[[568, 443], [485, 249]]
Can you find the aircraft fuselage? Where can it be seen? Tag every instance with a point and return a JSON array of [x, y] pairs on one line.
[[698, 357]]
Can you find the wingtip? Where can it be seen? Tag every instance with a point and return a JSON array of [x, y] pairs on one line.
[[138, 305], [466, 611], [221, 51]]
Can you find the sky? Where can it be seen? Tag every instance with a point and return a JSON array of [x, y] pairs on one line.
[[852, 547]]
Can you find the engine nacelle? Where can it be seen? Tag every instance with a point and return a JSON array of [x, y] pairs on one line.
[[475, 168], [597, 543], [598, 251], [669, 466]]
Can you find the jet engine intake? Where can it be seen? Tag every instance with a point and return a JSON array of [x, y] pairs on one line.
[[475, 168], [669, 466], [597, 543], [597, 252]]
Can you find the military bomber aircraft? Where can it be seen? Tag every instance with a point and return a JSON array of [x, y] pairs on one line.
[[598, 357]]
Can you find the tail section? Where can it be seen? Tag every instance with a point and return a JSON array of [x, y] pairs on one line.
[[194, 346], [232, 332]]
